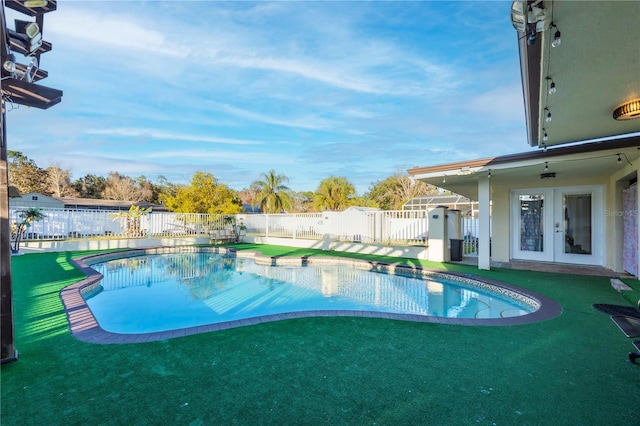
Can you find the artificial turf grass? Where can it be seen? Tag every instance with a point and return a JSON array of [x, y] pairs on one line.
[[325, 370]]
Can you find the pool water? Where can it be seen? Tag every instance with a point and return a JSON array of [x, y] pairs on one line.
[[172, 291]]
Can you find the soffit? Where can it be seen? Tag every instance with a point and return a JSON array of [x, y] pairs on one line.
[[595, 69]]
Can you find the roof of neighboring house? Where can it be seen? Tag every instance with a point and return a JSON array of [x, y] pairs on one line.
[[251, 209], [94, 203], [362, 209]]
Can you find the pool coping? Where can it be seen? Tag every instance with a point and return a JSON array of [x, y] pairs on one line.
[[85, 327]]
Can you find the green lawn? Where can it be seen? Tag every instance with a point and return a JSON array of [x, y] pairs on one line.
[[566, 371]]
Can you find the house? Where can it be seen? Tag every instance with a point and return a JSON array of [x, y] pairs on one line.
[[37, 200], [574, 199]]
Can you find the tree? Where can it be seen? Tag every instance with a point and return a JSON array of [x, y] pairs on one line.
[[273, 196], [60, 182], [163, 189], [122, 188], [89, 186], [334, 193], [393, 192], [132, 220], [147, 189], [17, 229], [303, 202], [25, 174], [204, 195]]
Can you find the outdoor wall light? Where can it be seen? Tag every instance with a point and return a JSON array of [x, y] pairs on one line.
[[619, 159], [556, 37], [552, 86], [545, 136], [547, 117], [628, 110], [546, 166]]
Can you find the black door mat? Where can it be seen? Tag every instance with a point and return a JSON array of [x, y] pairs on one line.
[[628, 311], [628, 325]]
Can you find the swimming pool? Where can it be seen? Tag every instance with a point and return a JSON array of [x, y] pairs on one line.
[[144, 297], [155, 293]]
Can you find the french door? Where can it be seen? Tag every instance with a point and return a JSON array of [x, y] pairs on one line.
[[558, 225]]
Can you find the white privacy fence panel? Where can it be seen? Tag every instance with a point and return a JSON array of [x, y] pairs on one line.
[[294, 225], [384, 227], [62, 224]]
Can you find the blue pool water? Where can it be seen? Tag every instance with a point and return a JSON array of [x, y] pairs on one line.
[[173, 291]]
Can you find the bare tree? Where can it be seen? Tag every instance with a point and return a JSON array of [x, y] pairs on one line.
[[60, 182], [396, 190], [122, 188]]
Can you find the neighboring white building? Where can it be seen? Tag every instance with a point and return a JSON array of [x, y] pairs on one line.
[[37, 200]]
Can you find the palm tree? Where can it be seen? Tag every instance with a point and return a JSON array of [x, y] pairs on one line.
[[334, 193], [273, 196], [28, 215]]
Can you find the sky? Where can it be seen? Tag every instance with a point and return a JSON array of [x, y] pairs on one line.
[[310, 89]]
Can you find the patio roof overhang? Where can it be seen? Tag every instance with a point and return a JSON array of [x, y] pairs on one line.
[[583, 160], [595, 68]]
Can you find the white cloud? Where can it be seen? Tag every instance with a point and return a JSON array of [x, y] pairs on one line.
[[155, 134]]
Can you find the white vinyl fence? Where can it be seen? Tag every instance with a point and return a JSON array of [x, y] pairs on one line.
[[383, 227], [398, 227], [60, 224]]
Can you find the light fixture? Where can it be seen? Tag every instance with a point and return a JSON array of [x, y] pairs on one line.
[[9, 63], [546, 166], [552, 86], [628, 110], [619, 159], [489, 175], [545, 136], [544, 147], [444, 179], [519, 17], [556, 37], [547, 117], [26, 34], [35, 3]]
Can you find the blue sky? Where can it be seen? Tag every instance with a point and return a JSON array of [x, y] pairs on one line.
[[309, 89]]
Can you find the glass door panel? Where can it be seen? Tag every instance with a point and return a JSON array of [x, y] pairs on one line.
[[577, 224], [531, 222]]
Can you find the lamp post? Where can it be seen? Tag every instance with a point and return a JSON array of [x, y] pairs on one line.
[[17, 86]]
